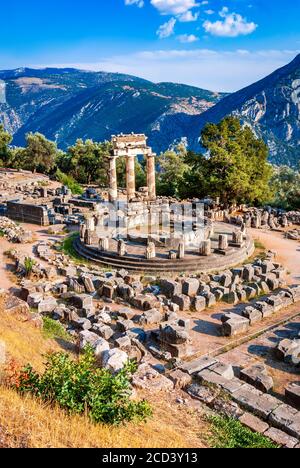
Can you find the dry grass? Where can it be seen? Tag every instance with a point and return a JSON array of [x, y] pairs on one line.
[[24, 342], [27, 422]]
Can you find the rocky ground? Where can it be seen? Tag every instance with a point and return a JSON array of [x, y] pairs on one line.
[[84, 299]]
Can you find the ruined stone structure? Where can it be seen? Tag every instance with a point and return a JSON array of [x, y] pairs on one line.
[[25, 213], [130, 146]]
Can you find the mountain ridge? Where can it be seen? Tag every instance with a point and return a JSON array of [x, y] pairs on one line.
[[66, 104]]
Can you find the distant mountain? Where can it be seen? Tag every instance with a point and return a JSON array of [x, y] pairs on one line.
[[271, 107], [66, 104]]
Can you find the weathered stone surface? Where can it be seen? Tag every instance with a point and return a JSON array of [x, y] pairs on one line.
[[148, 378], [179, 378], [281, 438], [114, 359], [292, 394], [224, 370], [255, 401], [100, 346], [254, 315], [47, 305], [104, 331], [87, 337], [34, 299], [209, 377], [82, 301], [15, 306], [150, 317], [123, 342], [171, 288], [190, 287], [173, 334], [183, 301], [286, 418], [254, 423], [257, 375], [203, 393], [124, 325], [236, 326], [197, 365]]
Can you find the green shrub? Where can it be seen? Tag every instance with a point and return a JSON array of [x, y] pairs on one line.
[[230, 433], [69, 182], [80, 387], [53, 329], [29, 264]]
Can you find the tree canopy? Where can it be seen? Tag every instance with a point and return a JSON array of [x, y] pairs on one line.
[[5, 140], [235, 167]]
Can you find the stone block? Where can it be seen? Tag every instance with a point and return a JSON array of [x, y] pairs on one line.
[[292, 394], [224, 370], [180, 379], [254, 423], [197, 365], [236, 326], [47, 305], [183, 301], [257, 375], [199, 303], [190, 287], [281, 438], [252, 314]]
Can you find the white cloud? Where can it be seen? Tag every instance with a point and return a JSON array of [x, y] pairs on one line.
[[138, 3], [173, 7], [232, 25], [166, 29], [188, 38], [188, 17]]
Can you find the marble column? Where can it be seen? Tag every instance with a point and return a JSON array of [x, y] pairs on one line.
[[151, 176], [205, 248], [113, 187], [130, 177], [223, 242]]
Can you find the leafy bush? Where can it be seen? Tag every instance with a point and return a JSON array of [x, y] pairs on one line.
[[69, 182], [80, 387], [229, 433], [28, 264]]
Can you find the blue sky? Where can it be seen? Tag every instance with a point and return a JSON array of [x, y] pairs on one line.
[[221, 45]]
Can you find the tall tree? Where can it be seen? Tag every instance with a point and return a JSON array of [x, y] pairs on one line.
[[236, 167], [285, 185], [5, 152], [86, 161], [40, 153], [172, 168]]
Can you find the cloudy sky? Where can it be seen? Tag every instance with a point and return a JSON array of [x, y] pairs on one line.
[[221, 45]]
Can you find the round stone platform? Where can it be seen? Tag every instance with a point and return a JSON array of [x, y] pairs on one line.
[[135, 259]]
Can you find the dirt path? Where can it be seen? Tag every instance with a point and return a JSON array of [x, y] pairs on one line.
[[288, 251]]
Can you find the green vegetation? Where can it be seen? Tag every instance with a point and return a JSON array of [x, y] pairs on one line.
[[29, 264], [234, 167], [5, 152], [285, 185], [66, 246], [86, 162], [69, 182], [230, 433], [53, 329], [2, 233], [80, 387]]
